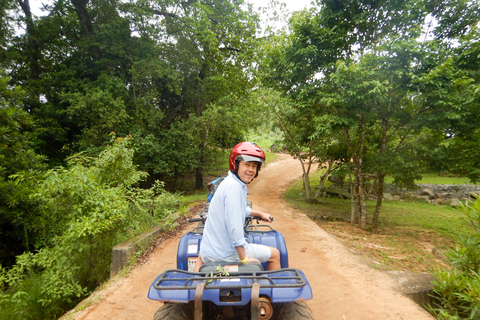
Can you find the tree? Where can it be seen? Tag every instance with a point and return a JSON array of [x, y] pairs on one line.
[[215, 47], [83, 211], [450, 98], [16, 157], [127, 67], [340, 87]]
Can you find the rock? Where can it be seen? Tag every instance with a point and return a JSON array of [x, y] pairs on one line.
[[387, 196], [338, 192], [338, 180], [428, 192], [424, 198], [397, 197], [474, 195], [455, 203]]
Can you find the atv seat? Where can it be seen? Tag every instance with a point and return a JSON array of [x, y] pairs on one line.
[[233, 267]]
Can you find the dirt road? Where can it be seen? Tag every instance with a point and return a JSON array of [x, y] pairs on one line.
[[344, 287]]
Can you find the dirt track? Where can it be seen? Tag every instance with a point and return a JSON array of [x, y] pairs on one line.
[[344, 287]]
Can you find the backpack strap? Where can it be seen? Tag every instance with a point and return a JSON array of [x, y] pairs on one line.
[[213, 186]]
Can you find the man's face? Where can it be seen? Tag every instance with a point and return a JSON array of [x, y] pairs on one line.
[[247, 171]]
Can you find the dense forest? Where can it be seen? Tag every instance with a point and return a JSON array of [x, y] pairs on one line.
[[106, 105]]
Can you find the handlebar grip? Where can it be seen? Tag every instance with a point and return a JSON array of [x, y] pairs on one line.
[[195, 220]]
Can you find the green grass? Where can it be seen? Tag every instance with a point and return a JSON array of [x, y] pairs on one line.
[[410, 235], [195, 196], [442, 219], [264, 139], [432, 178]]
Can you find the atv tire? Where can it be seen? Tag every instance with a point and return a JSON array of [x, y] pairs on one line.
[[293, 311], [173, 311]]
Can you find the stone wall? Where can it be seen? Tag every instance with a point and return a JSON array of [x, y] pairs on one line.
[[435, 193]]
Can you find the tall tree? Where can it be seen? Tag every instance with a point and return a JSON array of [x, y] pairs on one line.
[[136, 67], [17, 229], [213, 49], [319, 69]]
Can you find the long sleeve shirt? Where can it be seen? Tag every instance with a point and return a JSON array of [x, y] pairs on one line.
[[226, 218]]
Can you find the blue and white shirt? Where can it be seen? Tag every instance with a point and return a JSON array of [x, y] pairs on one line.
[[226, 218]]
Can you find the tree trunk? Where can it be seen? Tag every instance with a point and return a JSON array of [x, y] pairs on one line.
[[357, 158], [324, 177], [360, 193], [34, 54], [201, 162], [381, 178], [82, 14], [305, 178], [376, 214], [363, 200], [199, 178], [353, 213], [87, 25]]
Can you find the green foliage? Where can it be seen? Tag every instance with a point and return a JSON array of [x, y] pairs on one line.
[[457, 289], [457, 295], [17, 157], [98, 108], [84, 210], [443, 219], [433, 178], [454, 18], [166, 153]]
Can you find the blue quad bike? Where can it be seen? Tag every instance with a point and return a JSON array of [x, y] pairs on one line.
[[241, 292]]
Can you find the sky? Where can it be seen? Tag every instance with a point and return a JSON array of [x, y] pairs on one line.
[[292, 5]]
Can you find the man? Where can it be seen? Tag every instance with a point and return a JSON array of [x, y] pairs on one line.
[[223, 236]]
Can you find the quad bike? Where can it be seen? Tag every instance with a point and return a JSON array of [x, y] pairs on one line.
[[243, 292]]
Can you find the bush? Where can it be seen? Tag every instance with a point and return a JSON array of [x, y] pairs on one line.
[[457, 290], [86, 209]]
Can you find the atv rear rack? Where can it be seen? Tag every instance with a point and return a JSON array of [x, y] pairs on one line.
[[281, 285], [285, 278]]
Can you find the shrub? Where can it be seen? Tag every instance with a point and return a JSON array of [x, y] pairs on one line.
[[457, 290], [86, 209]]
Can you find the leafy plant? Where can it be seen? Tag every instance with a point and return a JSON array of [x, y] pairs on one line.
[[85, 209], [457, 290]]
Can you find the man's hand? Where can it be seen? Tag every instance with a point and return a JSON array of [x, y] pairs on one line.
[[266, 217], [250, 260]]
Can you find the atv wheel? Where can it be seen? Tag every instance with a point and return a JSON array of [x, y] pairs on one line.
[[173, 311], [293, 311]]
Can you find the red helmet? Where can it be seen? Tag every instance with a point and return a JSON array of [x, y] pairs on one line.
[[246, 151]]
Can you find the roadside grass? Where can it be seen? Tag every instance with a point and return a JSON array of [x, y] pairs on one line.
[[264, 139], [411, 236], [432, 178]]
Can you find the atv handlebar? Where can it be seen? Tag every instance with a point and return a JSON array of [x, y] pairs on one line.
[[258, 219]]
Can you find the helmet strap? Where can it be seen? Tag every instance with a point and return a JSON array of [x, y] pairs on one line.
[[235, 171]]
